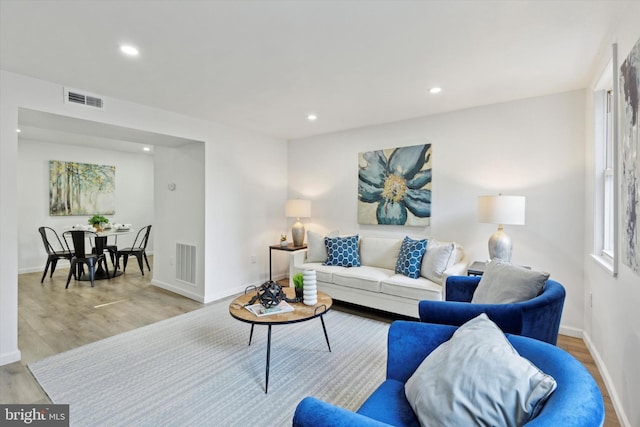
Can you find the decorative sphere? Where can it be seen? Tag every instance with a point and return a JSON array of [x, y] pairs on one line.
[[270, 294]]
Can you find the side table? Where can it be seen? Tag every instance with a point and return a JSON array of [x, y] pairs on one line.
[[477, 268], [289, 248]]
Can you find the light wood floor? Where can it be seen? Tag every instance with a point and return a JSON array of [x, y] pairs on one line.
[[52, 319]]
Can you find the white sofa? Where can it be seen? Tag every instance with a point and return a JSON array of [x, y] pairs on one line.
[[375, 283]]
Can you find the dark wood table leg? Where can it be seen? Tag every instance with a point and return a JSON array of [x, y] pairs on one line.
[[270, 264], [324, 328], [266, 387], [251, 334]]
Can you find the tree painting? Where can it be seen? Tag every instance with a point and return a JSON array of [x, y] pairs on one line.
[[81, 188]]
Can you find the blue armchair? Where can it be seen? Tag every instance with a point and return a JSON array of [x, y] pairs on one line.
[[537, 318], [576, 402]]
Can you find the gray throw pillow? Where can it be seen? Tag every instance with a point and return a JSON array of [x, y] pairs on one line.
[[435, 260], [477, 378], [316, 250], [504, 283]]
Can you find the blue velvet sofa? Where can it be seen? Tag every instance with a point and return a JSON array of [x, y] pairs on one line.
[[537, 318], [576, 402]]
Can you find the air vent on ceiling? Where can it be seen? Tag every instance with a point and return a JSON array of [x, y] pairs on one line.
[[72, 96]]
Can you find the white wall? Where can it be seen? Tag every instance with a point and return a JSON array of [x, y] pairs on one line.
[[532, 147], [612, 324], [239, 221], [184, 167], [134, 194]]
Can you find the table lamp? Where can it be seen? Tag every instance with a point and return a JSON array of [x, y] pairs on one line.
[[501, 210], [298, 209]]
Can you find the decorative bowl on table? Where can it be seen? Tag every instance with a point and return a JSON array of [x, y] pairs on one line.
[[83, 227]]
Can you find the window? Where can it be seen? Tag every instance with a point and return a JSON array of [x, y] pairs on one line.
[[608, 199], [604, 250]]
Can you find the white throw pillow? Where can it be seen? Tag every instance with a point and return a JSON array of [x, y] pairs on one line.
[[379, 251], [316, 250], [477, 378], [457, 256], [505, 283], [435, 260]]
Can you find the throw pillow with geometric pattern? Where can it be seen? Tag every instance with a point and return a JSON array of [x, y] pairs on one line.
[[342, 251], [410, 257]]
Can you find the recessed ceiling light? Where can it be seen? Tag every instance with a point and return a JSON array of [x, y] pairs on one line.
[[312, 117], [435, 90], [129, 50], [18, 130], [147, 149]]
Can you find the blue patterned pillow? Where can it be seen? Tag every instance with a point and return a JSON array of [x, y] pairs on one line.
[[410, 257], [342, 251]]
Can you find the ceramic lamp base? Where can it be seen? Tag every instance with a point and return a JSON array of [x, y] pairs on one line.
[[297, 233], [500, 245]]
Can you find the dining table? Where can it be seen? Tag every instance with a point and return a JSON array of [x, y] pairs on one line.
[[100, 241]]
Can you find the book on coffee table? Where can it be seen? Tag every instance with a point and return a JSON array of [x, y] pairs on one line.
[[259, 310]]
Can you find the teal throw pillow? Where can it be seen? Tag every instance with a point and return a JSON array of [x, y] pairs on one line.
[[342, 251], [410, 257]]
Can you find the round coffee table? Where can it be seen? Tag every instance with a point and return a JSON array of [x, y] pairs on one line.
[[300, 313]]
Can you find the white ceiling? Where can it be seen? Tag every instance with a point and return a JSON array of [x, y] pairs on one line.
[[264, 65], [48, 127]]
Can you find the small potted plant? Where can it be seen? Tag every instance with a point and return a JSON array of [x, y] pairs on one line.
[[97, 221], [298, 284], [283, 240]]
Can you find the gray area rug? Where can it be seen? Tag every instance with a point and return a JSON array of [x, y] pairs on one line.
[[197, 369]]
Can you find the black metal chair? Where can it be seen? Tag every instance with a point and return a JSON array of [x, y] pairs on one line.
[[112, 249], [81, 256], [138, 249], [54, 253]]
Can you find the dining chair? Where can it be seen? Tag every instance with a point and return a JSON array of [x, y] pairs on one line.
[[138, 249], [55, 248], [81, 256], [112, 249]]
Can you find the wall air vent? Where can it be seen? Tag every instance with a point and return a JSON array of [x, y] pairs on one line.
[[72, 96], [186, 263]]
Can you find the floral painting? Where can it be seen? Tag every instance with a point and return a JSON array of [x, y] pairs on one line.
[[81, 188], [630, 138], [394, 186]]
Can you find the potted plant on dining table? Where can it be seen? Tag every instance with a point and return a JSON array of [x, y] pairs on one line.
[[97, 221]]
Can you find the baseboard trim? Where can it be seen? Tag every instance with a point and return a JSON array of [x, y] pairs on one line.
[[200, 298], [613, 394], [62, 264], [571, 331], [177, 290], [10, 357], [240, 289]]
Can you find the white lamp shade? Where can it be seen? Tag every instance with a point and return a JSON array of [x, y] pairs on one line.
[[501, 209], [298, 208]]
